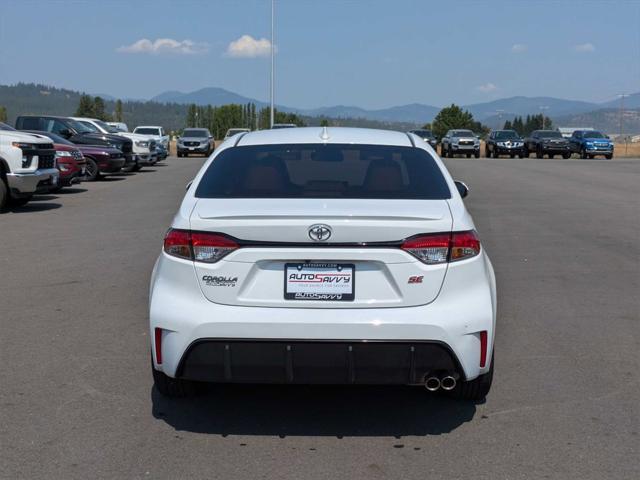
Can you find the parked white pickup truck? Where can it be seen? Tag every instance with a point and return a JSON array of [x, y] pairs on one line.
[[27, 166], [144, 149], [158, 134]]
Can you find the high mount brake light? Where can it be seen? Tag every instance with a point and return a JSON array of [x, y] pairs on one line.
[[436, 248], [198, 246]]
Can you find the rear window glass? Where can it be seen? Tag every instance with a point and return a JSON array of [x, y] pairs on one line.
[[324, 171]]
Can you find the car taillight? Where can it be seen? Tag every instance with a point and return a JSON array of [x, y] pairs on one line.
[[438, 248], [429, 249], [178, 244], [210, 247], [464, 245], [198, 246]]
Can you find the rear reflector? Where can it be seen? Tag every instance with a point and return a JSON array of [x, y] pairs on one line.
[[443, 247], [483, 348], [158, 345], [198, 246]]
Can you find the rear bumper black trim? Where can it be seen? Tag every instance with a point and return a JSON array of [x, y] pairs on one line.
[[289, 361]]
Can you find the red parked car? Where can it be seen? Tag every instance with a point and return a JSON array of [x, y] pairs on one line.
[[99, 160]]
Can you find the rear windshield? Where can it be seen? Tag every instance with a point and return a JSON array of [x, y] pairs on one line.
[[324, 171]]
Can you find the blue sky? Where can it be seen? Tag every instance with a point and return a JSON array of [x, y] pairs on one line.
[[369, 53]]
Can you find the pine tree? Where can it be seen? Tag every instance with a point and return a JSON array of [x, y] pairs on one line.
[[118, 111], [3, 114], [85, 107], [99, 109]]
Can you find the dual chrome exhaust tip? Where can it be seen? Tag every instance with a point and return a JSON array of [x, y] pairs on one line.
[[446, 383]]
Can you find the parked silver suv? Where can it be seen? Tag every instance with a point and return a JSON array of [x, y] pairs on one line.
[[460, 142]]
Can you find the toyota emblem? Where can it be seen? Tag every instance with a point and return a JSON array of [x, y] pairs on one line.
[[320, 232]]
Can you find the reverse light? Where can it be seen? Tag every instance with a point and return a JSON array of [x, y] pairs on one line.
[[198, 246], [437, 248]]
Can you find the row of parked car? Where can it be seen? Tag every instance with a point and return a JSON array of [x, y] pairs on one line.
[[586, 143], [45, 153]]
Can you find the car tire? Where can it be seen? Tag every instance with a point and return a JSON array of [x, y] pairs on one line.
[[496, 154], [539, 153], [566, 156], [477, 154], [475, 390], [512, 155], [608, 157], [468, 155], [4, 195], [93, 172], [173, 387], [551, 155], [525, 153], [487, 152], [136, 168], [583, 153]]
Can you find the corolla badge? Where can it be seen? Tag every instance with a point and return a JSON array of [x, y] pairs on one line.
[[320, 232]]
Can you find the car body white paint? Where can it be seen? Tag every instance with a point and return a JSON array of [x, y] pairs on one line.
[[21, 180], [455, 303]]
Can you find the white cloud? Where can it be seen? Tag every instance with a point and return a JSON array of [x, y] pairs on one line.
[[585, 48], [518, 48], [248, 47], [487, 88], [165, 45]]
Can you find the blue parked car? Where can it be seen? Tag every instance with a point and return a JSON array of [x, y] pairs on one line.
[[589, 143]]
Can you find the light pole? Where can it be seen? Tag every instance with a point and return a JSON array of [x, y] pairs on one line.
[[272, 111], [543, 108]]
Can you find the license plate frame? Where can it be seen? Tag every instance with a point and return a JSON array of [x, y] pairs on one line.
[[325, 270]]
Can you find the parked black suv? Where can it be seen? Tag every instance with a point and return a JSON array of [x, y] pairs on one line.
[[504, 142], [547, 142], [427, 136], [77, 133]]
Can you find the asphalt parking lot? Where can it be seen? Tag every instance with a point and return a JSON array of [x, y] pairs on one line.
[[76, 398]]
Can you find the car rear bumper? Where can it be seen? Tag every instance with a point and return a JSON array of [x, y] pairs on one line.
[[315, 362], [194, 332]]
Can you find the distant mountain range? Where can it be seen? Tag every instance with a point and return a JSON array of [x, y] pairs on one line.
[[415, 112], [169, 109]]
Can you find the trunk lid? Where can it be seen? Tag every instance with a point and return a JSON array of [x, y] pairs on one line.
[[365, 236]]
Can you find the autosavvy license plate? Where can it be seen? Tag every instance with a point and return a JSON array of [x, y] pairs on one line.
[[319, 281]]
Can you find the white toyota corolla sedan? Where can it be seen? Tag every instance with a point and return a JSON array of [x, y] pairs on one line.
[[323, 256]]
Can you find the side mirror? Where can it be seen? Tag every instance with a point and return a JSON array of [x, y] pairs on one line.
[[189, 185], [66, 133], [463, 190]]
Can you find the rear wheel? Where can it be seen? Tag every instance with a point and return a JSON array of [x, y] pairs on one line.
[[566, 155], [608, 156], [539, 153], [551, 155], [477, 154], [173, 387], [475, 390]]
